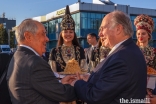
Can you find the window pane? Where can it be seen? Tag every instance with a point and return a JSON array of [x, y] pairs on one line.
[[88, 15], [89, 23], [92, 23], [153, 36], [83, 14], [52, 26], [59, 20], [77, 24], [84, 23], [98, 23], [132, 17], [154, 43], [46, 26], [98, 16], [92, 15], [134, 28], [102, 16]]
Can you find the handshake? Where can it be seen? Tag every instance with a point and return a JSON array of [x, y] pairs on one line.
[[71, 79]]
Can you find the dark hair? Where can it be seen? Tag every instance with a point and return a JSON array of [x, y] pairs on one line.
[[74, 41], [99, 43], [93, 35]]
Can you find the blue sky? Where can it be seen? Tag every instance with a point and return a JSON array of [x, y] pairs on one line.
[[22, 9]]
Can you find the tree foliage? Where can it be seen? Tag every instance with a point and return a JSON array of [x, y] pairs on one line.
[[3, 35], [12, 39]]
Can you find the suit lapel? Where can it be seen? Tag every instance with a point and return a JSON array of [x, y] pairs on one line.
[[116, 50], [102, 63]]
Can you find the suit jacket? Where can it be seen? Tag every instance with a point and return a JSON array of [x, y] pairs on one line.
[[88, 55], [31, 81], [121, 75]]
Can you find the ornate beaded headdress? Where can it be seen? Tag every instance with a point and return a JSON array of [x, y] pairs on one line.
[[144, 22], [67, 21]]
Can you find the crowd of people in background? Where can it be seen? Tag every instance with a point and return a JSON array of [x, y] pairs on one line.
[[117, 66]]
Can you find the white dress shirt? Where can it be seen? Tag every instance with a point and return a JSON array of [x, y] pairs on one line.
[[116, 46]]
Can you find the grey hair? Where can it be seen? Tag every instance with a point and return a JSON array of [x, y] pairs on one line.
[[119, 17], [28, 25]]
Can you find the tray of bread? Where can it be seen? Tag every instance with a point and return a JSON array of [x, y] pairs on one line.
[[151, 72], [72, 67]]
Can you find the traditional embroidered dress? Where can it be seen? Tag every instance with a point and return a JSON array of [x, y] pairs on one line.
[[60, 56], [98, 55], [150, 56]]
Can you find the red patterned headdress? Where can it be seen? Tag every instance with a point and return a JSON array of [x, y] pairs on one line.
[[144, 22]]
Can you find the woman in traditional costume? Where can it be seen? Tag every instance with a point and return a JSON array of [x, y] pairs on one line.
[[99, 53], [67, 46], [144, 27]]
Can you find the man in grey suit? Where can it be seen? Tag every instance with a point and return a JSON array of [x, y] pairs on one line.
[[92, 40], [30, 78]]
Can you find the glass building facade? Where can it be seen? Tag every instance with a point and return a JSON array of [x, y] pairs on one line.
[[85, 22]]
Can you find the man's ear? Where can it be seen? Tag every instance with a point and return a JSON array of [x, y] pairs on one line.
[[28, 36], [119, 29]]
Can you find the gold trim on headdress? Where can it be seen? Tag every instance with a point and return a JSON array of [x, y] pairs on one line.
[[67, 21]]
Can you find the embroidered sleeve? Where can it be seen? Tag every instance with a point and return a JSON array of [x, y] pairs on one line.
[[82, 53], [52, 60], [53, 65], [154, 60], [59, 59], [52, 54], [93, 64]]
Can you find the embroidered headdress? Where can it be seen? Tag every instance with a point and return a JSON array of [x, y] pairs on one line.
[[67, 21], [144, 22]]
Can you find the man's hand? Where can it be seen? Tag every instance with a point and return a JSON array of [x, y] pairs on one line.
[[80, 77], [68, 79], [85, 77], [153, 100], [72, 84], [149, 92]]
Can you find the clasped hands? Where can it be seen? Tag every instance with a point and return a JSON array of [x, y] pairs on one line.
[[71, 79], [151, 97]]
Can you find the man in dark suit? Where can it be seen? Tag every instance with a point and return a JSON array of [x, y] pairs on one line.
[[30, 78], [122, 76]]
